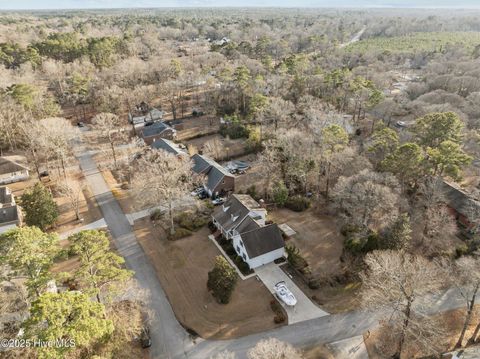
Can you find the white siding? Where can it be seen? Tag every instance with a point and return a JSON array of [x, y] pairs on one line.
[[14, 177], [260, 260], [266, 258]]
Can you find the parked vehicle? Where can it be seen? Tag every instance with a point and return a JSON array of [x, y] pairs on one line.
[[80, 124], [145, 339], [218, 201], [197, 191], [400, 124], [284, 294], [203, 194]]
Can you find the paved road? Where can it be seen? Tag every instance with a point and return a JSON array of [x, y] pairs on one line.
[[305, 309], [169, 339], [323, 330]]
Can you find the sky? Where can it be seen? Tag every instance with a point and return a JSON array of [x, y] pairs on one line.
[[91, 4]]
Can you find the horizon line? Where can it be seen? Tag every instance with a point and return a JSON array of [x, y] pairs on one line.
[[386, 7]]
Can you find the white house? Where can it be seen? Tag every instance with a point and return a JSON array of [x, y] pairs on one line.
[[10, 215], [242, 220], [11, 171]]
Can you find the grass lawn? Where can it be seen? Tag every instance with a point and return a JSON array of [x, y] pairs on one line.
[[182, 267]]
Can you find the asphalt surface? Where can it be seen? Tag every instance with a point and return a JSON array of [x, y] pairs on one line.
[[169, 339]]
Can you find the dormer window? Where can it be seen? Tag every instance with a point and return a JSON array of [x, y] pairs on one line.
[[225, 208], [234, 218]]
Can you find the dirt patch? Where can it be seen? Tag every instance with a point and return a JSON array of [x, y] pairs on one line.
[[318, 352], [182, 267], [321, 244], [231, 148]]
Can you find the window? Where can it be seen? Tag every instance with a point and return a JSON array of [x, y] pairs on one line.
[[241, 243], [223, 182], [238, 250], [244, 257]]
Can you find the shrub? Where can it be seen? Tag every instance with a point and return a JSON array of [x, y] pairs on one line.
[[244, 267], [156, 214], [238, 260], [191, 221], [279, 318], [252, 191], [461, 250], [230, 250], [297, 203], [313, 283], [358, 244], [280, 194], [295, 258], [234, 130], [179, 233], [223, 241]]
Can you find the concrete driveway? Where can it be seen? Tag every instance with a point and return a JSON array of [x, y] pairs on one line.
[[271, 274]]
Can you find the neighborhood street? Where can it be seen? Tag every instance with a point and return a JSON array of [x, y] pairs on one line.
[[169, 339]]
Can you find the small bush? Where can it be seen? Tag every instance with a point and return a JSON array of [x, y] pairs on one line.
[[461, 250], [313, 283], [244, 267], [252, 191], [230, 250], [191, 221], [234, 130], [279, 318], [179, 233], [223, 241], [156, 214], [297, 203]]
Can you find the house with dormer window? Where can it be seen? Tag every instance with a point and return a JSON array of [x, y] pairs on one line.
[[242, 220]]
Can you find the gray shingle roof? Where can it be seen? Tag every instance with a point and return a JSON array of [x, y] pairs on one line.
[[215, 172], [460, 200], [7, 166], [167, 145], [262, 240], [154, 129], [237, 205]]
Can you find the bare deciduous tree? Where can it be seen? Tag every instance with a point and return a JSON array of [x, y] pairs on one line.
[[214, 148], [393, 283], [72, 190], [161, 178], [110, 127]]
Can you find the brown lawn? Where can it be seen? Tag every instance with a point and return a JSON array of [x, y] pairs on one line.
[[182, 267], [321, 244], [232, 148]]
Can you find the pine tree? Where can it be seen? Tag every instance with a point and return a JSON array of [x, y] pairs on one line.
[[221, 280], [39, 207]]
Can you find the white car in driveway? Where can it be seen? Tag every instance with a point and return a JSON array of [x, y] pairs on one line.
[[284, 294]]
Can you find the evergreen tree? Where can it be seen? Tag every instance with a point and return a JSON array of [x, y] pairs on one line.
[[40, 208], [221, 280], [100, 268], [68, 316], [29, 252]]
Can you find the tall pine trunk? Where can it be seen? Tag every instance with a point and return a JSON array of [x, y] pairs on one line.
[[470, 306]]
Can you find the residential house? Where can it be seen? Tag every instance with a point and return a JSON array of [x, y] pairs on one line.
[[169, 146], [219, 181], [9, 212], [11, 171], [156, 131], [151, 115], [462, 205], [242, 220]]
